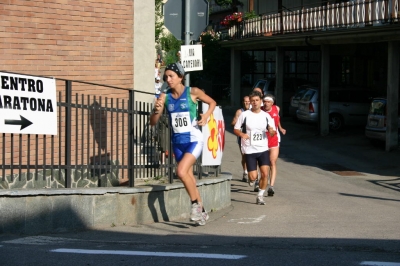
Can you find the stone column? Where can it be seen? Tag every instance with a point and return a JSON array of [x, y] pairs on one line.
[[279, 73], [323, 104], [235, 78], [392, 105], [143, 49]]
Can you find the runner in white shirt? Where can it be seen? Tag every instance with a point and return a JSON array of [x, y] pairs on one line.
[[255, 143]]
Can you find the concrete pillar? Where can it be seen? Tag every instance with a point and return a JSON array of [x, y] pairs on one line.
[[143, 26], [323, 108], [235, 78], [279, 72], [392, 139]]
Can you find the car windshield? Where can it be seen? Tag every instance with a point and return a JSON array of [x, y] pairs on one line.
[[299, 94], [378, 107], [308, 95]]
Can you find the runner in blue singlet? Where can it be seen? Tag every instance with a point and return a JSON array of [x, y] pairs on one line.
[[187, 139], [186, 134]]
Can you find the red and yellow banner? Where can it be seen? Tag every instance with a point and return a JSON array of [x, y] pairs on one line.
[[214, 137]]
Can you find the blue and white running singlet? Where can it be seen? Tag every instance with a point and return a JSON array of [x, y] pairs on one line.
[[183, 118]]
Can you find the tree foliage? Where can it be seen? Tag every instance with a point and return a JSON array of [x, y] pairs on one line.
[[159, 19], [231, 3], [171, 46]]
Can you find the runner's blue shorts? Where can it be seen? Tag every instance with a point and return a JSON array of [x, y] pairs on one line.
[[194, 148]]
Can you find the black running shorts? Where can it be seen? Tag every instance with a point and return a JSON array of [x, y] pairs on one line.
[[262, 158]]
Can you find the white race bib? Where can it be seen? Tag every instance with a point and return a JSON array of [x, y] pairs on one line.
[[181, 122], [257, 138]]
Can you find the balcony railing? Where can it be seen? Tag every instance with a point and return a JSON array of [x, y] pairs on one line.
[[352, 14]]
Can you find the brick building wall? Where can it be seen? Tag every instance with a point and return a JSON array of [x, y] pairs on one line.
[[87, 40]]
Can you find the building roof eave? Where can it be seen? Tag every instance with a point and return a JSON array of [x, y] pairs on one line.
[[311, 38]]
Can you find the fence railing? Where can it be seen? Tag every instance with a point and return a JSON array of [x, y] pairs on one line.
[[330, 16], [101, 142]]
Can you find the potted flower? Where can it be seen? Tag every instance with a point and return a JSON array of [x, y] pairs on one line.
[[232, 19], [237, 16]]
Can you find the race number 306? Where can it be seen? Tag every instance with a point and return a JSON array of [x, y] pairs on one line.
[[181, 122]]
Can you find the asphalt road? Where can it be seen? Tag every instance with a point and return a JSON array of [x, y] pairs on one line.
[[337, 202]]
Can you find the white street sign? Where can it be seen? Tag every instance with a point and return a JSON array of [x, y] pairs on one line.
[[192, 57], [28, 104]]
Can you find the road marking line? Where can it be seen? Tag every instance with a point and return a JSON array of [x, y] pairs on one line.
[[380, 263], [253, 220], [38, 240], [147, 253]]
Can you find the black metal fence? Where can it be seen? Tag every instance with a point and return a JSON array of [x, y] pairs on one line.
[[101, 142]]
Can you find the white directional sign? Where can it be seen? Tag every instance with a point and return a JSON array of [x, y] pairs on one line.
[[192, 57], [28, 104]]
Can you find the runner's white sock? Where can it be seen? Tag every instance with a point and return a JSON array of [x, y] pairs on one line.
[[245, 171], [261, 192]]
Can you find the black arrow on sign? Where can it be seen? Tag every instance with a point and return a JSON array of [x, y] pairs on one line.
[[23, 122]]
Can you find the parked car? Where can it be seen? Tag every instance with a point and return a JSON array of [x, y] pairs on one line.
[[294, 100], [346, 107], [376, 122], [290, 87]]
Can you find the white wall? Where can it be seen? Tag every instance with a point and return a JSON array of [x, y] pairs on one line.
[[143, 49]]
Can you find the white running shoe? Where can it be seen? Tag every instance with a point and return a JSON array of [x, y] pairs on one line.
[[260, 200], [195, 214], [204, 218]]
